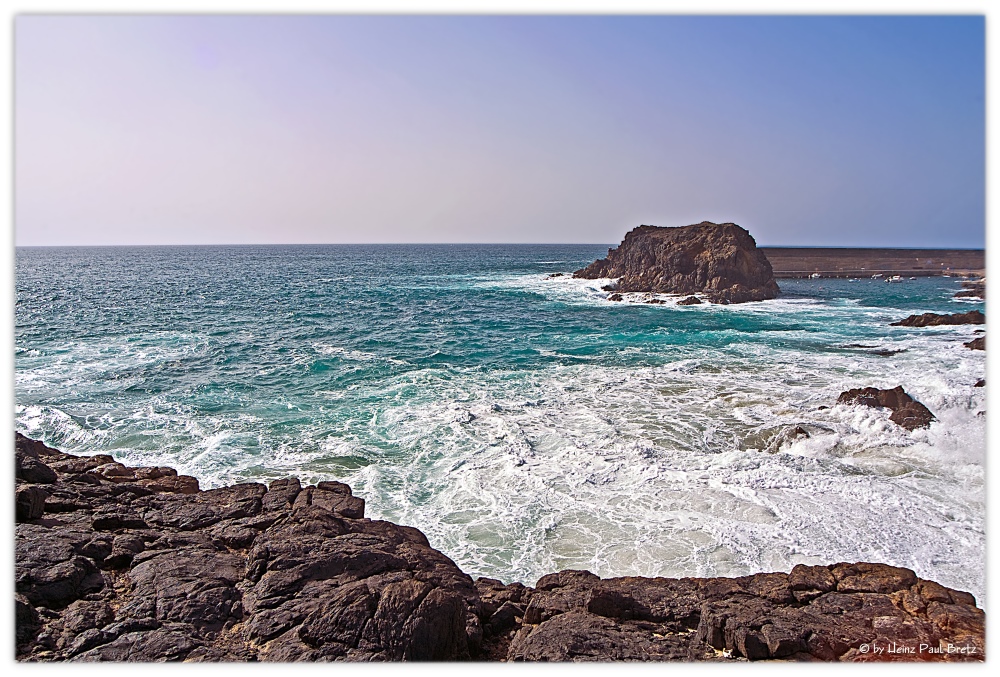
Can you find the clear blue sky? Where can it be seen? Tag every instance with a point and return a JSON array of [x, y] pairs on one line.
[[810, 130]]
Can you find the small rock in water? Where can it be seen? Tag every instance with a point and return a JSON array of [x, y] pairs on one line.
[[977, 343], [615, 297], [906, 411], [981, 383], [689, 301]]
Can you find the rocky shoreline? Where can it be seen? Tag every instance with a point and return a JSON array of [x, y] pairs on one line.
[[138, 564]]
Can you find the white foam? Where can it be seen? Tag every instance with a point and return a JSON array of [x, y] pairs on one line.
[[653, 470]]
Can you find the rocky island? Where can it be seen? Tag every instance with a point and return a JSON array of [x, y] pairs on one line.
[[115, 563], [720, 261]]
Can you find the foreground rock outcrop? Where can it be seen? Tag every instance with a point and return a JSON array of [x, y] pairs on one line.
[[937, 320], [906, 411], [720, 261], [137, 564]]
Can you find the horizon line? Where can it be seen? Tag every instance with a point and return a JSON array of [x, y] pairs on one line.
[[438, 244]]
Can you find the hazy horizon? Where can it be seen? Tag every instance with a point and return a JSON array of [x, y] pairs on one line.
[[836, 131], [457, 244]]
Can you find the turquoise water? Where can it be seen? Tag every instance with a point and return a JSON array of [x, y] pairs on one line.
[[524, 423]]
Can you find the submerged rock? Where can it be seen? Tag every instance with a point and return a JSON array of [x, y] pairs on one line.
[[119, 571], [719, 260], [786, 437], [936, 320], [906, 411]]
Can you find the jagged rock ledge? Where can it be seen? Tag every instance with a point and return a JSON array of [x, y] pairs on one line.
[[136, 564], [937, 320], [720, 261]]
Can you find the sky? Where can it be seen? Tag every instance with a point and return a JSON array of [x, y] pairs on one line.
[[226, 129]]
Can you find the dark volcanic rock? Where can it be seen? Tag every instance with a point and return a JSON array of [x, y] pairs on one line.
[[720, 260], [936, 320], [814, 613], [689, 301], [976, 343], [906, 411], [973, 289], [129, 572]]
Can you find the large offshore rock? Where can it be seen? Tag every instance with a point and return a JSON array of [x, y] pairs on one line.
[[720, 261]]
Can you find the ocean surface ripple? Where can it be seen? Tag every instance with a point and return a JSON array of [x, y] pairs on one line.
[[524, 423]]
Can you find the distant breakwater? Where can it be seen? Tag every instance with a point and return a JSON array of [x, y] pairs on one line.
[[791, 262]]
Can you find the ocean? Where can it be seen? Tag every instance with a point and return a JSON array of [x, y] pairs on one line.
[[523, 422]]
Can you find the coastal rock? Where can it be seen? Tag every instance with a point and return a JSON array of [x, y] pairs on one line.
[[245, 572], [906, 411], [973, 289], [719, 260], [122, 572], [689, 301], [815, 613], [976, 343], [936, 320]]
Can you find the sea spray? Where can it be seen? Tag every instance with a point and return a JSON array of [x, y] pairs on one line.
[[524, 422]]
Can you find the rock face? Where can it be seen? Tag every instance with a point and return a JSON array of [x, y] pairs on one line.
[[935, 320], [111, 569], [826, 613], [118, 570], [719, 260], [906, 411]]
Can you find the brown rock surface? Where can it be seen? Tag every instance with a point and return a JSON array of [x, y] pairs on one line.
[[720, 260], [114, 570], [976, 343], [906, 411], [936, 320]]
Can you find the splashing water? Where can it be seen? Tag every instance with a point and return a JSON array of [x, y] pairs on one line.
[[523, 422]]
